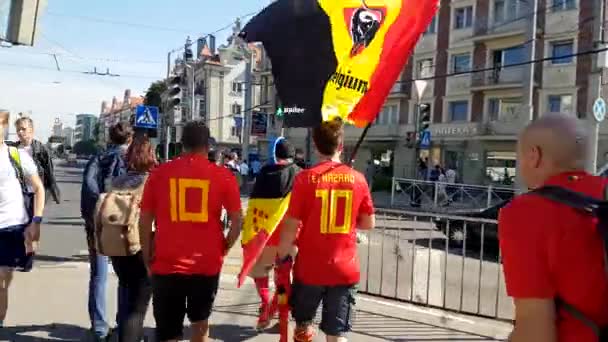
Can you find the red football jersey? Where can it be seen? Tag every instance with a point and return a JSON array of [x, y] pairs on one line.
[[328, 199], [187, 195]]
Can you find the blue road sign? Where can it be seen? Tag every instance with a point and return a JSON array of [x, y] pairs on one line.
[[425, 139], [599, 109], [146, 117]]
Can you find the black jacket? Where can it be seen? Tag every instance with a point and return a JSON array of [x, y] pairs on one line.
[[98, 173], [44, 163]]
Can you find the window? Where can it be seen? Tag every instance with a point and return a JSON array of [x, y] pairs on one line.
[[561, 52], [504, 108], [237, 87], [461, 62], [560, 103], [459, 111], [237, 109], [463, 17], [501, 167], [202, 109], [512, 55], [234, 131], [432, 28], [563, 5], [388, 116], [505, 10], [425, 68]]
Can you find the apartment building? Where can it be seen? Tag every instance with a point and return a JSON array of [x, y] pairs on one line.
[[476, 116], [216, 79], [115, 112], [85, 127]]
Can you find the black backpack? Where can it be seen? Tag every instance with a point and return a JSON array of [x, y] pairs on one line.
[[598, 209]]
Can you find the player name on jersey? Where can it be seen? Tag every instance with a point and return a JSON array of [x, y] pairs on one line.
[[333, 178]]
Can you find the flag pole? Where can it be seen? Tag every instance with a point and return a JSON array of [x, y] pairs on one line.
[[353, 155]]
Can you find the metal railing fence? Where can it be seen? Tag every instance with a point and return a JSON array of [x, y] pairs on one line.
[[447, 262], [438, 196]]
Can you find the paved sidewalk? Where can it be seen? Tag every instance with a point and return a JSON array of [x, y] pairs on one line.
[[49, 304]]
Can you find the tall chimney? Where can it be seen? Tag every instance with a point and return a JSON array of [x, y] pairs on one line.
[[212, 44], [200, 44]]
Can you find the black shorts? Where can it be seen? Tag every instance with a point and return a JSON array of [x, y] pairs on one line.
[[12, 249], [338, 306], [176, 295]]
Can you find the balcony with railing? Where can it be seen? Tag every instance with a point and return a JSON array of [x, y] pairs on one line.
[[498, 78]]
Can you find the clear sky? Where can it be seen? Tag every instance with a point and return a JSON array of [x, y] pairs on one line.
[[131, 37]]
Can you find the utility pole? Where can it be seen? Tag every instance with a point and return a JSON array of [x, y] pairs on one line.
[[595, 88], [247, 110], [166, 121], [528, 98], [309, 146], [529, 81]]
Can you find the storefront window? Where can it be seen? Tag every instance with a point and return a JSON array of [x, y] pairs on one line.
[[501, 167]]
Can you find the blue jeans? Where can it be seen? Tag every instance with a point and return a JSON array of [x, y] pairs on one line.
[[97, 289]]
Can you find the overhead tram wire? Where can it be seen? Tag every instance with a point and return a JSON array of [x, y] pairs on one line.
[[473, 71]]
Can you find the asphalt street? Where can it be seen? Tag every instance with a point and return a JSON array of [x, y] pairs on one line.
[[440, 279], [453, 281]]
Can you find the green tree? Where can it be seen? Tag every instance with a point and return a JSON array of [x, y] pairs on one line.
[[88, 147], [153, 94]]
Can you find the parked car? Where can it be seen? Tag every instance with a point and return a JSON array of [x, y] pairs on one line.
[[473, 236]]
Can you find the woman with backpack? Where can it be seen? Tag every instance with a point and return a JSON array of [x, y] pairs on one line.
[[117, 232]]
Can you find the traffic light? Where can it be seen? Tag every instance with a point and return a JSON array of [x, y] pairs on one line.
[[175, 91], [279, 112], [424, 117]]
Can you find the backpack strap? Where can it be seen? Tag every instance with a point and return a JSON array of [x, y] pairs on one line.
[[597, 208]]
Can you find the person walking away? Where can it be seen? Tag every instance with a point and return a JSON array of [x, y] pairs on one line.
[[19, 225], [553, 255], [256, 167], [124, 249], [40, 154], [274, 179], [326, 269], [441, 187], [370, 173], [185, 197], [97, 179], [244, 170]]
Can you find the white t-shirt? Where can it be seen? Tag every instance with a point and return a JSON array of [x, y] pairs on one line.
[[450, 176], [244, 169], [28, 150], [12, 210]]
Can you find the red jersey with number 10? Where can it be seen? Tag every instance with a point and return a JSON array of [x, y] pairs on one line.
[[328, 199]]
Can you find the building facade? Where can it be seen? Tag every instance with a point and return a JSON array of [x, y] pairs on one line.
[[68, 134], [85, 127], [478, 106], [216, 80], [115, 112], [57, 128]]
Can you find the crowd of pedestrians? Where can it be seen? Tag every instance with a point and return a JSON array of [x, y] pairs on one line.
[[160, 227]]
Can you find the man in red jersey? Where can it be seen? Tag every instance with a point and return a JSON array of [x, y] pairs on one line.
[[185, 198], [331, 200], [553, 253]]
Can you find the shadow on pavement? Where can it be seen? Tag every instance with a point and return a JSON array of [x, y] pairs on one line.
[[64, 223], [49, 258], [50, 332], [365, 323], [231, 332]]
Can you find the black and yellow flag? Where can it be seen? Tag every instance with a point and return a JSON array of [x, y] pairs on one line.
[[266, 208], [338, 58]]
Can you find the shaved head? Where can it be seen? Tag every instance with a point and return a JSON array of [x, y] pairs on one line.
[[553, 144]]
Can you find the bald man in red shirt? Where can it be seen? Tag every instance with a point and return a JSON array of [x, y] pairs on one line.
[[552, 251]]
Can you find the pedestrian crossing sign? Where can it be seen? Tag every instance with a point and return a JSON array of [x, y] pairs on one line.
[[146, 117], [425, 139]]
